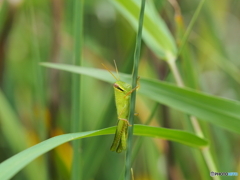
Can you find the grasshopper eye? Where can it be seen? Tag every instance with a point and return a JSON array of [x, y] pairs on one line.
[[118, 87]]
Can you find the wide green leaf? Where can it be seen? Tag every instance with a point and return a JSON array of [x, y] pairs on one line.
[[14, 164], [155, 32], [219, 111]]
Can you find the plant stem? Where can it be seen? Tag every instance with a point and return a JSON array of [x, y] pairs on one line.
[[205, 151], [190, 26], [174, 69], [133, 96], [172, 64], [76, 125]]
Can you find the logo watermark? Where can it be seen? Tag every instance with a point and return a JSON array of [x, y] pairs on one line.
[[223, 174]]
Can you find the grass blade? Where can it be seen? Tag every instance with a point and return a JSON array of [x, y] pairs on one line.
[[218, 111], [76, 124], [133, 96], [189, 29], [14, 164]]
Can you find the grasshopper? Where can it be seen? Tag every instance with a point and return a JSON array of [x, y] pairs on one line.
[[122, 91]]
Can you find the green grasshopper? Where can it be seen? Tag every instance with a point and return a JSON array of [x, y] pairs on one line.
[[122, 93]]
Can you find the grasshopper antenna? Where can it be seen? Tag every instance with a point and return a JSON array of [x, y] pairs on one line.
[[115, 64], [110, 72]]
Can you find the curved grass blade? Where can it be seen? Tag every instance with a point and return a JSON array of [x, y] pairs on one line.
[[14, 164], [218, 111]]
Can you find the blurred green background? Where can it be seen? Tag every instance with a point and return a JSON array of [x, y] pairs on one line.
[[38, 100]]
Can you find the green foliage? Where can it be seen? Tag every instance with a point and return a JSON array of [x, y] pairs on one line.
[[199, 43]]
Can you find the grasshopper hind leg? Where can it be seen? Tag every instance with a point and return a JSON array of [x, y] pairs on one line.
[[120, 140], [119, 148], [116, 142], [118, 136], [123, 141]]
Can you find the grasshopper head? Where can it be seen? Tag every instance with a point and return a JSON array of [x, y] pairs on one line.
[[122, 87]]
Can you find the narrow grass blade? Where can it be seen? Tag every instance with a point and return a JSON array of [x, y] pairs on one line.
[[189, 29], [128, 164]]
